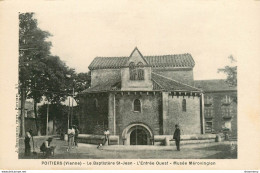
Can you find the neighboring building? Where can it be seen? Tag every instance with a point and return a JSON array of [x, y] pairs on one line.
[[139, 97], [220, 109]]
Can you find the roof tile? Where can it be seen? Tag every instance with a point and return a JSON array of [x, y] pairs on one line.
[[180, 60], [160, 83]]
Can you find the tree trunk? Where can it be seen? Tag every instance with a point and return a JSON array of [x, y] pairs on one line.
[[47, 120], [22, 126], [36, 118], [54, 125]]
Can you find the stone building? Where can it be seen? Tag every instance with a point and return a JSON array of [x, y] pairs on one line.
[[220, 110], [140, 97]]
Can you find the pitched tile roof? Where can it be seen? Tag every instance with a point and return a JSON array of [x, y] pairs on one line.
[[108, 62], [111, 84], [180, 60], [160, 83], [214, 85], [168, 84]]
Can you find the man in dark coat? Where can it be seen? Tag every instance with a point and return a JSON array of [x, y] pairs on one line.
[[76, 135], [177, 136], [28, 137]]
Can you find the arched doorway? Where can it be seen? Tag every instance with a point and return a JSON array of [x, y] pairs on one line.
[[138, 137], [137, 134]]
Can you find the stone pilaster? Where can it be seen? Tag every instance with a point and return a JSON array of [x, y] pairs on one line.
[[111, 114], [165, 104], [202, 118]]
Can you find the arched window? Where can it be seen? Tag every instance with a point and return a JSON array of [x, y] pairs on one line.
[[184, 105], [140, 71], [132, 71], [136, 72], [137, 105]]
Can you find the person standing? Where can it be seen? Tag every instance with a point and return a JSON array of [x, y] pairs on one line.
[[76, 136], [71, 134], [106, 133], [177, 136], [27, 139]]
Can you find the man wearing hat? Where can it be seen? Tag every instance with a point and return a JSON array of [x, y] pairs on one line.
[[177, 136], [27, 139], [76, 135]]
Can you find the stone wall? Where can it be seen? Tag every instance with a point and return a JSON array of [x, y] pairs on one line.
[[161, 119], [189, 120], [93, 113], [150, 114]]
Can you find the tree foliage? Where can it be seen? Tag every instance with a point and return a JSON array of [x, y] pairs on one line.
[[40, 73], [33, 48], [231, 72], [81, 82]]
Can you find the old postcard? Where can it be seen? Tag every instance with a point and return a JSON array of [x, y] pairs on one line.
[[130, 85]]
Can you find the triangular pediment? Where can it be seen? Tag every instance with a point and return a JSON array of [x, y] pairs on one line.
[[136, 57]]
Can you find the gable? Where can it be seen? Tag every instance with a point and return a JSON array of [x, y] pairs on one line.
[[136, 57]]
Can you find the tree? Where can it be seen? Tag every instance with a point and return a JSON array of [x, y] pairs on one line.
[[57, 83], [81, 82], [40, 73], [58, 113], [231, 72], [33, 48]]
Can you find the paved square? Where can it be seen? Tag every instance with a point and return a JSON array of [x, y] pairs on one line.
[[220, 150]]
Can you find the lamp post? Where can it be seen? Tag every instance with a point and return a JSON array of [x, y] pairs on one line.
[[70, 112], [69, 115], [72, 106]]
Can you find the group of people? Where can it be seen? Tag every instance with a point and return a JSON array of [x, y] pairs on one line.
[[46, 148], [73, 133]]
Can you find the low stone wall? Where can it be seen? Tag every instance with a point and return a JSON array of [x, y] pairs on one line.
[[164, 140], [185, 139], [97, 139]]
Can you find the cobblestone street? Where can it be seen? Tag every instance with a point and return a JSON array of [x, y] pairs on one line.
[[220, 150]]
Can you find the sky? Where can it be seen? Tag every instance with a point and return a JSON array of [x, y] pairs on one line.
[[208, 33]]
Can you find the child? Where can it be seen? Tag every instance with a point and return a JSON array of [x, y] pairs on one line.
[[99, 145]]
